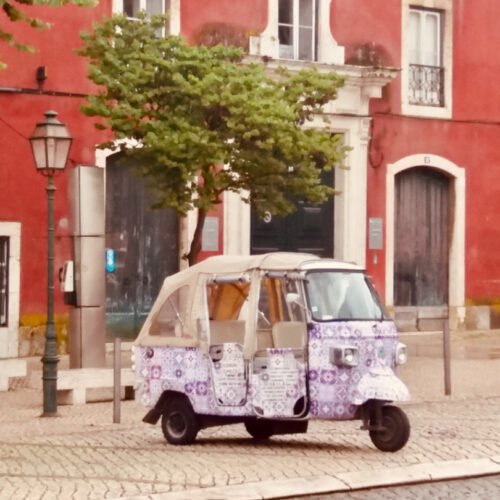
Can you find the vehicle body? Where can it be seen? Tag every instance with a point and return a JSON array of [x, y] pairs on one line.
[[272, 341]]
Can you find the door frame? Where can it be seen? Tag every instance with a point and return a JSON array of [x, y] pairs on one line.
[[456, 281], [9, 334]]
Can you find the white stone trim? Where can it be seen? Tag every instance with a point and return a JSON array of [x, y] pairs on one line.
[[350, 204], [456, 285], [236, 239], [347, 115], [9, 335], [447, 47], [175, 17], [328, 50]]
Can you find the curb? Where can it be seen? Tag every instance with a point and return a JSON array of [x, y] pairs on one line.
[[343, 482]]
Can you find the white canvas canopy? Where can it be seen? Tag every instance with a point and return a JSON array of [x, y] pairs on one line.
[[178, 316]]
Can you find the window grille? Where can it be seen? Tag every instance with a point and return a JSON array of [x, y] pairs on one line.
[[426, 85]]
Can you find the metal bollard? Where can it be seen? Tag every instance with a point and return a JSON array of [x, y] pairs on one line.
[[446, 356], [117, 381]]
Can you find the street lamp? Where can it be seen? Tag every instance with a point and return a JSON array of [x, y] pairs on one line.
[[50, 143]]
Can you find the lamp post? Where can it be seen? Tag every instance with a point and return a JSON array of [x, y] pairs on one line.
[[50, 143]]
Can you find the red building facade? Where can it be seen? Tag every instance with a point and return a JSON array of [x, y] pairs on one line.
[[418, 201]]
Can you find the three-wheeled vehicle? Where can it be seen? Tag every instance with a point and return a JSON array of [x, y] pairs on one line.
[[270, 341]]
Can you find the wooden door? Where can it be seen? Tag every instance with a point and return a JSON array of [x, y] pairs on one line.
[[308, 229], [422, 238], [145, 242]]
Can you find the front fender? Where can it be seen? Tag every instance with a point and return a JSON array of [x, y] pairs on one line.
[[381, 384]]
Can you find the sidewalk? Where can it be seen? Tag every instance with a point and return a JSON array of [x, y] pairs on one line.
[[82, 454]]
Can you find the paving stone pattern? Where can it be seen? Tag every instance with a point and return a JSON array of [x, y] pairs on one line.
[[82, 454]]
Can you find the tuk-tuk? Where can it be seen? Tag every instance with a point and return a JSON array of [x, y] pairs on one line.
[[270, 341]]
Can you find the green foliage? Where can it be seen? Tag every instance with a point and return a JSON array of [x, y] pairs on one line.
[[206, 121], [193, 109], [13, 9]]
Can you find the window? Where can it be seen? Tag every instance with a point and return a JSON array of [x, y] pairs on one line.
[[132, 7], [4, 280], [297, 29], [273, 303], [171, 318], [426, 71], [339, 296]]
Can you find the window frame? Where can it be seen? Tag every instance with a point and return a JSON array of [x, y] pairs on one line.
[[296, 30], [445, 10], [170, 7]]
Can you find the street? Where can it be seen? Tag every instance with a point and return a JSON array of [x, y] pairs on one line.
[[82, 454], [481, 488]]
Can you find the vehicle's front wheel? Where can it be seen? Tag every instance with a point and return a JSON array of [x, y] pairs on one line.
[[179, 422], [259, 429], [395, 429]]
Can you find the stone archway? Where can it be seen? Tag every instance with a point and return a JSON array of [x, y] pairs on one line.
[[456, 261]]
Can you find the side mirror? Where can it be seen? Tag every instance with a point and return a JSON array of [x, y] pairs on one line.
[[292, 298]]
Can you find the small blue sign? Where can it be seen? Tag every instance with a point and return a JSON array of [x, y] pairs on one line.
[[110, 260]]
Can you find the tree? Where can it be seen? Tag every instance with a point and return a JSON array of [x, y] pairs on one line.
[[14, 11], [205, 121]]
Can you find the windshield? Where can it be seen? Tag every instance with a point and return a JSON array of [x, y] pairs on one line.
[[337, 295]]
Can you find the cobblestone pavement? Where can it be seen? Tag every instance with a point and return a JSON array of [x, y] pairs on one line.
[[82, 454]]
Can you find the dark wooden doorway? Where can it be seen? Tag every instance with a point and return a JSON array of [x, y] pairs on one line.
[[422, 238], [308, 229], [145, 242]]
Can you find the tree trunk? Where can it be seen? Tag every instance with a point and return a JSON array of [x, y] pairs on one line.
[[195, 247]]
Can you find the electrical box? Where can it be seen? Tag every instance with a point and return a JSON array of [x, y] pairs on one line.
[[87, 226]]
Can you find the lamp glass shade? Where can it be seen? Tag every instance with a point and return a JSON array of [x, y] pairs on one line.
[[50, 143]]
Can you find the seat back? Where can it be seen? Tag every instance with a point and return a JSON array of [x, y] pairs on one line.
[[289, 334], [222, 332], [264, 339]]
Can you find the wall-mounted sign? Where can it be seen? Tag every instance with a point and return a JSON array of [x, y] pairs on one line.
[[375, 239], [110, 260], [210, 235]]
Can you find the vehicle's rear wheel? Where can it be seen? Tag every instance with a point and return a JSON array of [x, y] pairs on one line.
[[395, 429], [179, 422], [259, 429]]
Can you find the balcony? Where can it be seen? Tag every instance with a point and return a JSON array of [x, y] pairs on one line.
[[426, 85]]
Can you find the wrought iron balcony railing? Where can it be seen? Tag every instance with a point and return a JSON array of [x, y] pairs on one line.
[[426, 85]]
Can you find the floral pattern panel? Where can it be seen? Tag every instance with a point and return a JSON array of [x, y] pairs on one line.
[[336, 391], [183, 369], [229, 374], [278, 381]]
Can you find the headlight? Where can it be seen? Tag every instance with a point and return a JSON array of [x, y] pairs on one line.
[[401, 354], [344, 355]]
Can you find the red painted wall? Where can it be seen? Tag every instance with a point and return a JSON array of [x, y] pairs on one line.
[[22, 190], [469, 139], [476, 64], [356, 23], [250, 16]]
